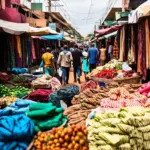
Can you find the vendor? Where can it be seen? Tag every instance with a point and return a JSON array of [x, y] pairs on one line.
[[103, 55], [48, 60]]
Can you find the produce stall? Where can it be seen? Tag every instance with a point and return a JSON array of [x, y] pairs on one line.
[[116, 71], [127, 128]]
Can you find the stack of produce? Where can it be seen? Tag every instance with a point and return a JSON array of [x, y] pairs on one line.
[[4, 91], [107, 73], [46, 116], [19, 91], [90, 84], [126, 129], [121, 97], [22, 79], [145, 89], [40, 95], [71, 138], [7, 100], [16, 91]]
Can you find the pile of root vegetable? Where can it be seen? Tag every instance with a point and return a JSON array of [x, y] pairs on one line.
[[89, 99]]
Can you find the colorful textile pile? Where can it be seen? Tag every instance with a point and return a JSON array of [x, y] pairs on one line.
[[40, 95], [18, 107], [46, 116], [65, 93], [16, 132]]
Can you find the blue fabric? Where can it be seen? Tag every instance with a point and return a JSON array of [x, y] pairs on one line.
[[65, 74], [42, 64], [54, 37], [93, 53], [19, 107], [85, 65], [16, 132], [19, 70]]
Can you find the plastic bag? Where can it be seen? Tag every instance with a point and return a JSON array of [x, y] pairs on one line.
[[60, 72]]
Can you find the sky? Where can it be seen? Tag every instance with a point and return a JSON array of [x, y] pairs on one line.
[[83, 14]]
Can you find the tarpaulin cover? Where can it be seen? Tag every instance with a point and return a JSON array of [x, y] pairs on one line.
[[141, 11], [108, 30], [54, 37]]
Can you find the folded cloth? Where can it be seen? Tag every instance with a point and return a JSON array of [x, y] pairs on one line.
[[16, 132], [40, 95], [19, 107]]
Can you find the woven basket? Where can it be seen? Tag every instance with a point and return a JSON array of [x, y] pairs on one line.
[[31, 147], [129, 80]]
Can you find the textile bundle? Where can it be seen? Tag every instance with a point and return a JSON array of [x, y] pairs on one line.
[[65, 93], [16, 132], [40, 95], [19, 107], [46, 116]]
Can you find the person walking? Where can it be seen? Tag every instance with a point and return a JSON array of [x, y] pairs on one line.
[[55, 53], [85, 63], [48, 61], [64, 61], [93, 55], [76, 54]]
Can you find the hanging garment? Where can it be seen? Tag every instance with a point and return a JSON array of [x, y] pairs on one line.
[[115, 50], [142, 49], [147, 44], [19, 46], [122, 44], [131, 53], [33, 50]]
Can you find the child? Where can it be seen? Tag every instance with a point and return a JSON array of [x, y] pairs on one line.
[[85, 63]]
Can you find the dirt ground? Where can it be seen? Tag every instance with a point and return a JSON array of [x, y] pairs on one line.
[[71, 78]]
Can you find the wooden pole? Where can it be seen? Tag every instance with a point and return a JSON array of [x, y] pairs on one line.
[[123, 5], [49, 6]]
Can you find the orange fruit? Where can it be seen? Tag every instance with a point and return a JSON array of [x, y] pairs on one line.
[[77, 138]]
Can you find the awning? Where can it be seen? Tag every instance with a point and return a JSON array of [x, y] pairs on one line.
[[108, 35], [108, 30], [14, 28], [41, 31], [53, 37], [142, 11], [67, 38]]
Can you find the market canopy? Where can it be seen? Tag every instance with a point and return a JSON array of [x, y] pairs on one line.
[[67, 38], [41, 31], [142, 11], [14, 28], [53, 37], [108, 35], [108, 30]]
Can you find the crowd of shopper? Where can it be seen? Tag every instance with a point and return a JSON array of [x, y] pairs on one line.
[[81, 59]]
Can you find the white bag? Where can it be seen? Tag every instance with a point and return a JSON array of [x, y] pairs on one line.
[[60, 72]]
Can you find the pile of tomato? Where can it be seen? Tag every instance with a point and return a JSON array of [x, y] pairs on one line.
[[107, 73], [71, 138]]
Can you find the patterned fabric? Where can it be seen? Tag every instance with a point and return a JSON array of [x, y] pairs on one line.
[[115, 50]]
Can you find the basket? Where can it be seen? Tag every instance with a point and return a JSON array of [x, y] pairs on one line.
[[30, 147], [129, 80]]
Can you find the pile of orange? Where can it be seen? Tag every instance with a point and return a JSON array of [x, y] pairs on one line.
[[71, 138]]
